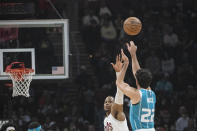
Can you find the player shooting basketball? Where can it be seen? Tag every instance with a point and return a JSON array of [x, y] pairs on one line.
[[143, 99], [115, 119]]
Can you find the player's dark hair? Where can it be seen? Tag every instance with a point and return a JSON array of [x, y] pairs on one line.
[[33, 125], [144, 78]]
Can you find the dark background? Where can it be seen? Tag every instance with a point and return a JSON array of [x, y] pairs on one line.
[[166, 46]]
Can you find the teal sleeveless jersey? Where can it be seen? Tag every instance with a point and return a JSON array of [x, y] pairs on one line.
[[142, 113]]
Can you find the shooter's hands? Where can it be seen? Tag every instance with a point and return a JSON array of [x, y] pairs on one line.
[[132, 48]]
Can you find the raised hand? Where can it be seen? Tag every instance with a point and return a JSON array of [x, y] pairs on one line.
[[118, 65], [125, 60], [132, 48], [124, 57]]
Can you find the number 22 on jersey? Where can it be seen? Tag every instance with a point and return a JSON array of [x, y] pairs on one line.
[[148, 115]]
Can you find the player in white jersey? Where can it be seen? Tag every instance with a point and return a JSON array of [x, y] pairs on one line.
[[115, 119], [143, 99]]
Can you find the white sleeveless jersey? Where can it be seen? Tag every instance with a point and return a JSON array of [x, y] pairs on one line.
[[111, 124]]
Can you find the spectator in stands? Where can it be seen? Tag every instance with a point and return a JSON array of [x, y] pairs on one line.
[[89, 17], [118, 24], [91, 31], [172, 128], [88, 107], [164, 85], [185, 72], [167, 64], [191, 125], [108, 31], [170, 39], [183, 120], [104, 9], [152, 63], [25, 117], [53, 126]]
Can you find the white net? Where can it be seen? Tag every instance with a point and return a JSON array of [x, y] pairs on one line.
[[21, 80]]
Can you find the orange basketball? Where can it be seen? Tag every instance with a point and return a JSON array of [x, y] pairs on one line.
[[132, 26]]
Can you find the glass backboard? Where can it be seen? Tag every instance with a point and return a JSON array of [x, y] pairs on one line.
[[42, 45]]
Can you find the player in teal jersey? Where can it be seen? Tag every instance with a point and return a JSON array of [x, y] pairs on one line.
[[143, 99]]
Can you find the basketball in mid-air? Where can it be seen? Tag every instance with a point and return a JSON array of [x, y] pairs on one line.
[[132, 26]]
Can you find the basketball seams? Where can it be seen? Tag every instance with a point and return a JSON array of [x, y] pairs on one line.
[[132, 26]]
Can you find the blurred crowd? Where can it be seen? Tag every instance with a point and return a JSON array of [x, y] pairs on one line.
[[166, 46]]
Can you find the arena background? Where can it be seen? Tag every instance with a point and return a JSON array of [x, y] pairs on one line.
[[167, 46]]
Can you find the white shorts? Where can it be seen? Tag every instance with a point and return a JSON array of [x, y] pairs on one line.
[[151, 129]]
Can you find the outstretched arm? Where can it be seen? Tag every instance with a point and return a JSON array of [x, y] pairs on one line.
[[123, 70], [129, 91], [132, 48], [117, 107]]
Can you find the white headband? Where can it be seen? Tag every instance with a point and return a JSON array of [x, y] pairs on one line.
[[10, 128]]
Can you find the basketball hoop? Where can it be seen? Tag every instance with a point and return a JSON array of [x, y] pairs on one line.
[[21, 78]]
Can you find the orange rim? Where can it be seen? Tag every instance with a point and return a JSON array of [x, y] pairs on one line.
[[20, 70]]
